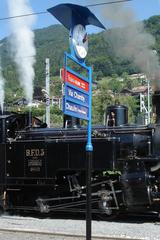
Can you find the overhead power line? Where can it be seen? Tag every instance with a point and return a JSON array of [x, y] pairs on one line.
[[113, 2], [45, 12], [24, 15]]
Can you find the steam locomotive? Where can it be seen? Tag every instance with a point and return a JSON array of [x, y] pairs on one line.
[[44, 169]]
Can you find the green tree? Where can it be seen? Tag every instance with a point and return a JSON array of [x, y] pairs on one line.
[[101, 99], [131, 103], [115, 83]]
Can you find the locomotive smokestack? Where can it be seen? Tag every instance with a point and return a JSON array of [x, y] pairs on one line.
[[156, 105], [116, 115]]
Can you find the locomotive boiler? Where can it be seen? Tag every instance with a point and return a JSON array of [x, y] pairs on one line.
[[44, 169]]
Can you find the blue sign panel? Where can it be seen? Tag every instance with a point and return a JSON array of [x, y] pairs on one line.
[[77, 96], [77, 90], [76, 110]]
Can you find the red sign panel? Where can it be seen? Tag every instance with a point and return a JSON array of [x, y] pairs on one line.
[[75, 81]]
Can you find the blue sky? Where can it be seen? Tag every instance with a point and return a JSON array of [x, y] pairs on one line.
[[142, 8]]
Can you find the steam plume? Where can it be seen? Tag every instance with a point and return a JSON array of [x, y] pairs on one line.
[[22, 44], [130, 40]]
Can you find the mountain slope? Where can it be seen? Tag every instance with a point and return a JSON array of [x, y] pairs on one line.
[[51, 42]]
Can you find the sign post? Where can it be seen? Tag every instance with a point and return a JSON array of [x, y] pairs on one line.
[[77, 99], [89, 157], [77, 102]]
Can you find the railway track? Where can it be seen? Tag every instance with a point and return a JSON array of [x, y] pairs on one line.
[[16, 233]]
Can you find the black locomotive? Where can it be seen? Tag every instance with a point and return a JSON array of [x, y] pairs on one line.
[[44, 169]]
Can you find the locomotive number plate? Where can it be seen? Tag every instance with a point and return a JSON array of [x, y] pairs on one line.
[[34, 160]]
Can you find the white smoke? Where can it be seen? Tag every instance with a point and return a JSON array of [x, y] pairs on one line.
[[1, 88], [130, 40], [22, 44]]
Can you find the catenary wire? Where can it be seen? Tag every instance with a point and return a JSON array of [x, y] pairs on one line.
[[107, 3], [45, 12]]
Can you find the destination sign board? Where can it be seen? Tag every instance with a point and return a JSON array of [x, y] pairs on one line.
[[76, 89], [75, 81], [76, 110], [76, 95]]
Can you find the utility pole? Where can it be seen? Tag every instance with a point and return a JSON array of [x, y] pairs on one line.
[[48, 92], [148, 95], [143, 108]]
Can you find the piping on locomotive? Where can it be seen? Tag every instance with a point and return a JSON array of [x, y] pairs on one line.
[[43, 169]]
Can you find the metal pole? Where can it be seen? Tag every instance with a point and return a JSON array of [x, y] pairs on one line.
[[88, 196], [89, 153], [149, 118], [48, 92], [30, 117]]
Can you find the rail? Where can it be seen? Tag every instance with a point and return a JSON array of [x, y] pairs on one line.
[[60, 235]]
